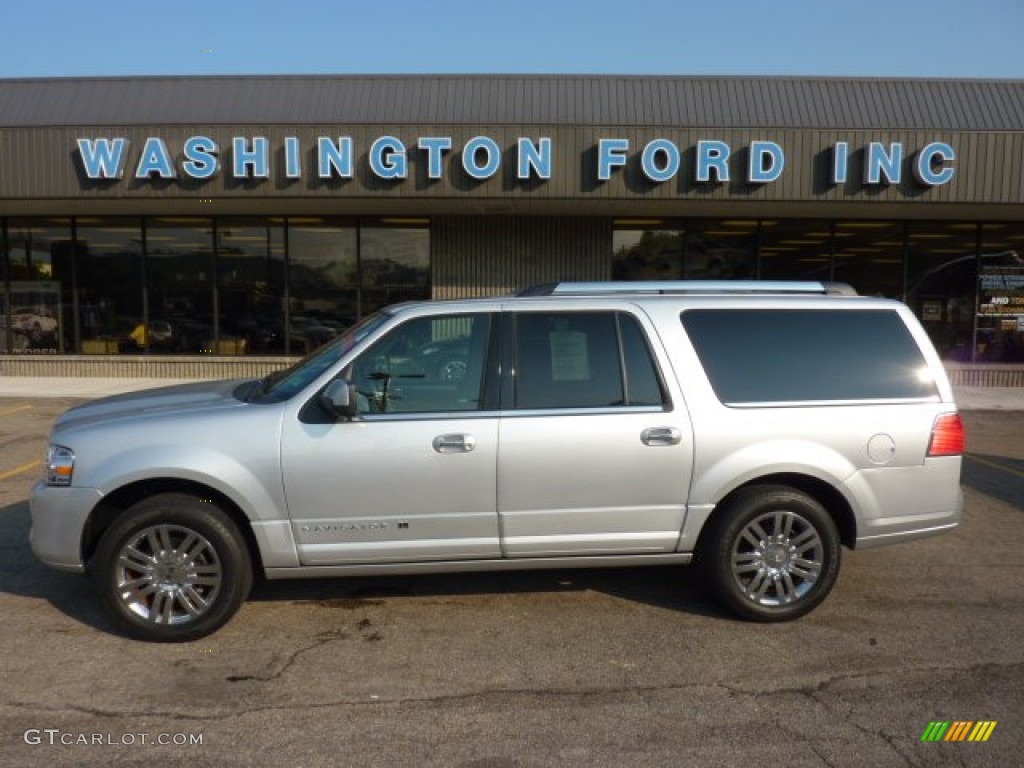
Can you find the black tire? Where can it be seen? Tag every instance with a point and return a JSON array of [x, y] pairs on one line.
[[772, 554], [186, 563]]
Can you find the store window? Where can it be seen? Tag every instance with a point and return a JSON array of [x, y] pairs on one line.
[[1000, 318], [941, 281], [724, 249], [324, 281], [394, 258], [110, 274], [647, 250], [656, 249], [869, 256], [795, 249], [251, 286], [181, 286], [37, 299]]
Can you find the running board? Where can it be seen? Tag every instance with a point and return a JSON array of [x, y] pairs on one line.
[[471, 566]]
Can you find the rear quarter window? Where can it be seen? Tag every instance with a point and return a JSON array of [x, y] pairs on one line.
[[800, 355]]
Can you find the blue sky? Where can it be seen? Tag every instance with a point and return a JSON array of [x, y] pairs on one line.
[[903, 38]]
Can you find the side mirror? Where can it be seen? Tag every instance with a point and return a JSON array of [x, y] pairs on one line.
[[339, 400]]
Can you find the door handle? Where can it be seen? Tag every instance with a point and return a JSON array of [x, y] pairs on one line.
[[661, 436], [454, 443]]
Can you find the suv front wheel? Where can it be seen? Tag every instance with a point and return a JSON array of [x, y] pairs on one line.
[[172, 568], [773, 554]]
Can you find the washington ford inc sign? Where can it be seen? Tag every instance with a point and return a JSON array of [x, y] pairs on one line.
[[481, 157]]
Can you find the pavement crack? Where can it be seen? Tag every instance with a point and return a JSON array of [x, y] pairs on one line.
[[321, 640], [810, 691]]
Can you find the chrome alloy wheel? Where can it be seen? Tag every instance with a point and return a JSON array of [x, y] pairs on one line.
[[168, 574], [777, 558]]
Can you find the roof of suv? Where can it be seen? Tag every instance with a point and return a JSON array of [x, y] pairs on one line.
[[691, 287]]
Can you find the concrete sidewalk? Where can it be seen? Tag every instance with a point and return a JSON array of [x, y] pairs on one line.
[[967, 398]]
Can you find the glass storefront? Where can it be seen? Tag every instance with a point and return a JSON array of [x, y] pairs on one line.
[[201, 286], [283, 286], [38, 286], [964, 281]]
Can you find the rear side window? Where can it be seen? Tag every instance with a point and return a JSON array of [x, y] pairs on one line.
[[583, 360], [763, 356]]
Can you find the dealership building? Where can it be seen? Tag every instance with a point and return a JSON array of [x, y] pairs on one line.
[[216, 225]]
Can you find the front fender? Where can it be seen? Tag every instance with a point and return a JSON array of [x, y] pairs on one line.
[[256, 492]]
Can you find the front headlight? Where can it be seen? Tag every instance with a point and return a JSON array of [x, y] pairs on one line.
[[60, 465]]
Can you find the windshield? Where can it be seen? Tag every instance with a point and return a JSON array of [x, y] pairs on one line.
[[284, 384]]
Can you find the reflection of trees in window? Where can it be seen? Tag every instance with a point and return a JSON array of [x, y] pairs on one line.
[[394, 265], [323, 283], [650, 254], [721, 250]]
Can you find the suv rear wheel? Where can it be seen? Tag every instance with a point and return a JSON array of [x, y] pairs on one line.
[[172, 568], [773, 554]]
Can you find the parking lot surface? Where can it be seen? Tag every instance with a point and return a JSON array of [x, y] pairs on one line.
[[589, 668]]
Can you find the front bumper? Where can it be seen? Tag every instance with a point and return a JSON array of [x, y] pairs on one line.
[[58, 519]]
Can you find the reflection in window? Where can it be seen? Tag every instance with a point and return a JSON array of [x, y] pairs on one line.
[[796, 250], [36, 306], [721, 250], [940, 283], [250, 286], [180, 271], [676, 250], [869, 256], [1000, 322], [576, 360], [426, 365], [395, 264], [647, 254], [324, 275], [829, 355], [110, 285]]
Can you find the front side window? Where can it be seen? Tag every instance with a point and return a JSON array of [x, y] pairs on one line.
[[426, 365], [583, 360]]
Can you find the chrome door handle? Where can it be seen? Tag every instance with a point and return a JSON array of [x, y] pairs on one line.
[[661, 436], [454, 443]]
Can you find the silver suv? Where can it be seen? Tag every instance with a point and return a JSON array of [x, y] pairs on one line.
[[751, 427]]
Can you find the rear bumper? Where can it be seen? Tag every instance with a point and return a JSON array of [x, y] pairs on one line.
[[908, 504]]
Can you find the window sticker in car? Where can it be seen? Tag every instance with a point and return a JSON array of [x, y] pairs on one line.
[[569, 358]]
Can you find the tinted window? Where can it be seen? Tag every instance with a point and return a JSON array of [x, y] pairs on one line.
[[582, 360], [643, 386], [798, 355]]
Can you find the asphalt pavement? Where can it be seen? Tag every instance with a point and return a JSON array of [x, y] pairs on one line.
[[520, 670]]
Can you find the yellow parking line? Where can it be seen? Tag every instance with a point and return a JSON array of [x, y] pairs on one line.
[[9, 411], [18, 470], [995, 465]]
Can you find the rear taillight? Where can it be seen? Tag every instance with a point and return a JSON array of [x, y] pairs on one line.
[[947, 436]]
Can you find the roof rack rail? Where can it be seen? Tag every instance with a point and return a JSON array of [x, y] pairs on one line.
[[668, 287]]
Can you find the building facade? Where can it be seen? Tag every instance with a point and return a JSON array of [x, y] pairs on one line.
[[234, 217]]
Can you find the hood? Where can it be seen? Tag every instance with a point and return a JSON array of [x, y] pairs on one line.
[[179, 398]]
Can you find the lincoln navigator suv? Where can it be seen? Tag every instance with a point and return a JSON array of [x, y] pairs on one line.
[[753, 428]]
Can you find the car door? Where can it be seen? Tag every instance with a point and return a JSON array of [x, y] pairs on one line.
[[411, 477], [595, 458]]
